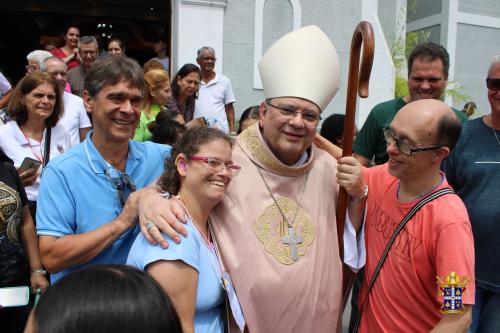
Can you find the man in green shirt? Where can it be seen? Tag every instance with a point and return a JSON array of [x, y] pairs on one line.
[[427, 78]]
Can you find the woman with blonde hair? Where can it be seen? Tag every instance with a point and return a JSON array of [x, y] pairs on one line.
[[156, 94]]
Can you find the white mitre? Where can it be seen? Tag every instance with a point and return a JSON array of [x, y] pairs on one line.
[[303, 63]]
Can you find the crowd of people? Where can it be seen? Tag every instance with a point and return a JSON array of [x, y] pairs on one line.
[[147, 207]]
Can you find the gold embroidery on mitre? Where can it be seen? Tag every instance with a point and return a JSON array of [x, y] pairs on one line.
[[270, 229]]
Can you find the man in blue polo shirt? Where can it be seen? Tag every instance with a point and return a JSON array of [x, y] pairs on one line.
[[87, 205]]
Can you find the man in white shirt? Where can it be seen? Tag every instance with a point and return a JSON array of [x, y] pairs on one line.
[[215, 97], [5, 91], [74, 118]]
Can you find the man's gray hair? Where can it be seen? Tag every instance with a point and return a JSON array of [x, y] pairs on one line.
[[88, 40], [109, 71], [39, 56], [43, 65], [203, 49], [494, 62]]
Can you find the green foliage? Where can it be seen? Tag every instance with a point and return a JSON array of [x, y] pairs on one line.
[[401, 87], [456, 92]]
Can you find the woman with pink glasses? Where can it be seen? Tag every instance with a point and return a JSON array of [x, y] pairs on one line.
[[198, 173]]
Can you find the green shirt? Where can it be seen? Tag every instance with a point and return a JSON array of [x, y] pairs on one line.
[[370, 142], [142, 132]]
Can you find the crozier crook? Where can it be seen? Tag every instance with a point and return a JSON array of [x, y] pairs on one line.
[[357, 81]]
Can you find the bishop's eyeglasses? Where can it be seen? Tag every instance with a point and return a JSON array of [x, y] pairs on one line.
[[310, 118]]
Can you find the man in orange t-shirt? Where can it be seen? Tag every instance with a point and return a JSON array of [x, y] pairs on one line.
[[435, 242]]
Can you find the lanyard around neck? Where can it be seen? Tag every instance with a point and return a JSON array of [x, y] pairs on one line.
[[40, 157]]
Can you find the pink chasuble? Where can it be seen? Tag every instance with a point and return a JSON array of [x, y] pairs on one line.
[[277, 293]]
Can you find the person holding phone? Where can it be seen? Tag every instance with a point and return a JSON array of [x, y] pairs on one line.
[[20, 263], [35, 107]]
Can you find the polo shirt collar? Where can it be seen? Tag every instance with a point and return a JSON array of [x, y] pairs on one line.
[[213, 81], [99, 165]]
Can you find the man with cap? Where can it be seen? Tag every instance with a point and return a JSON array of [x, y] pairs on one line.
[[276, 227]]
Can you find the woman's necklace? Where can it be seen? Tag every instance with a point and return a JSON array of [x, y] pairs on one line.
[[38, 157], [206, 234]]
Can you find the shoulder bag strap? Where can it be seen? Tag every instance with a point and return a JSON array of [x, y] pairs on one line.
[[396, 232], [46, 155]]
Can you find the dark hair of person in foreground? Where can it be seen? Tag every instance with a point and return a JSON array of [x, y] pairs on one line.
[[105, 298]]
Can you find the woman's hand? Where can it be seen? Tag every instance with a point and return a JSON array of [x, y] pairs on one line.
[[28, 176]]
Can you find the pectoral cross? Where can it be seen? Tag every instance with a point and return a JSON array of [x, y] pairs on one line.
[[292, 240]]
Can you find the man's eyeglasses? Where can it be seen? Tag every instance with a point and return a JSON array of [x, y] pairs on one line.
[[493, 84], [310, 118], [217, 165], [122, 182], [403, 147]]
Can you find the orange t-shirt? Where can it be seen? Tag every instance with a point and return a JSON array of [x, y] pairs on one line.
[[435, 242]]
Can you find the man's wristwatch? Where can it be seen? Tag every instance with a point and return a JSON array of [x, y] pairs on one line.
[[363, 196]]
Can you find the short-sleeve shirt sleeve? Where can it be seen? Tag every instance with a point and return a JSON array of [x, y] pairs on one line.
[[4, 85], [368, 137], [453, 254], [142, 253], [55, 213], [229, 95]]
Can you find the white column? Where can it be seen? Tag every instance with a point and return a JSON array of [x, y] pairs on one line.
[[196, 23], [383, 70], [259, 29], [449, 15]]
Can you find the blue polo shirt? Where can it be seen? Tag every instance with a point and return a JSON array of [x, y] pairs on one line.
[[76, 196]]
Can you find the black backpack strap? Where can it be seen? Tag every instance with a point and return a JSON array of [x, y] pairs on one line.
[[46, 150]]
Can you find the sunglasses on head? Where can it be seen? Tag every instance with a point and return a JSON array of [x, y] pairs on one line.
[[493, 84]]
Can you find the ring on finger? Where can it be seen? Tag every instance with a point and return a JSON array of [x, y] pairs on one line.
[[149, 225]]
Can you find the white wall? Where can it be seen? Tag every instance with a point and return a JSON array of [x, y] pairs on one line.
[[196, 24]]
